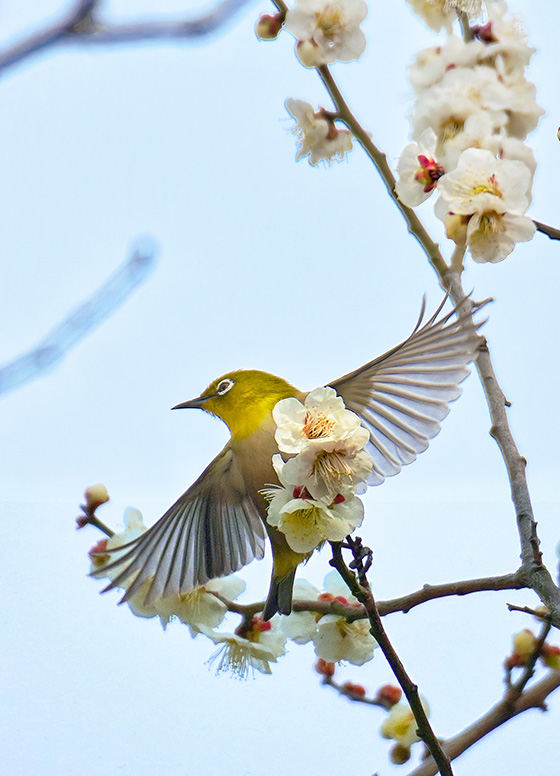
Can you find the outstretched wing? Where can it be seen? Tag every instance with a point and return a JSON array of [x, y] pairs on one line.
[[211, 531], [403, 395]]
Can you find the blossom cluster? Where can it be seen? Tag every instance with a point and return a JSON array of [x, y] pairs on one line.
[[326, 31], [334, 637], [327, 468], [473, 110]]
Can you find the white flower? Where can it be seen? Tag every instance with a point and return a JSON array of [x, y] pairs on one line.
[[334, 638], [199, 607], [318, 136], [329, 442], [493, 193], [327, 30], [323, 417], [259, 645], [337, 639], [431, 64], [301, 627], [438, 14], [307, 523], [505, 38], [401, 726], [418, 170], [461, 93]]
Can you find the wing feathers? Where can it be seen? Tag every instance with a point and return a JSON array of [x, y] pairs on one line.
[[403, 395], [211, 531]]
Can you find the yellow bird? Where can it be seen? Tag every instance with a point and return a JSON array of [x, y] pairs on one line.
[[219, 524]]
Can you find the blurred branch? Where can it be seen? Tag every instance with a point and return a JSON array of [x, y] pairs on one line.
[[502, 712], [83, 26], [80, 322]]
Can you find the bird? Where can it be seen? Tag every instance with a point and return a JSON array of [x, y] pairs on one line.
[[219, 524]]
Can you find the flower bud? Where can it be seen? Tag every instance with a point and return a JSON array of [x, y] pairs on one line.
[[325, 668], [96, 495], [354, 689], [399, 754], [268, 27], [550, 656], [388, 695]]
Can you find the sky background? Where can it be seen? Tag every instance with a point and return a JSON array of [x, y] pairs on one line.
[[263, 263]]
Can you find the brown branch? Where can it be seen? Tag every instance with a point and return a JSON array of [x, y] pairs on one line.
[[465, 587], [362, 591], [347, 692], [550, 231], [502, 712], [81, 26]]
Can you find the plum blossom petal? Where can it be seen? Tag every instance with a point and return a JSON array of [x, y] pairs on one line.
[[317, 134], [327, 30]]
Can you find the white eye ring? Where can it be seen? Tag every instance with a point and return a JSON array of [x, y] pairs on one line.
[[224, 386]]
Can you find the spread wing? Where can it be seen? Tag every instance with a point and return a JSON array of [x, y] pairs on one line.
[[403, 395], [211, 531]]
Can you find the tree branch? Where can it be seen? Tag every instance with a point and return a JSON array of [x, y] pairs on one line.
[[502, 712], [81, 26], [80, 322], [362, 591], [550, 231]]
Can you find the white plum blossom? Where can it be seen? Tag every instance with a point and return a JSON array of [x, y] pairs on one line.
[[440, 14], [317, 500], [334, 638], [255, 647], [327, 30], [337, 639], [418, 170], [329, 441], [461, 93], [431, 64], [301, 627], [491, 196], [200, 606], [400, 724], [505, 38], [307, 523], [318, 136]]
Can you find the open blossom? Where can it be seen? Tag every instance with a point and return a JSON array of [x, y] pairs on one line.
[[401, 726], [258, 645], [418, 170], [333, 637], [491, 195], [438, 14], [327, 30], [318, 136], [307, 523]]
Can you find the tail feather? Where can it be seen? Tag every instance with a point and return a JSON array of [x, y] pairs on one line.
[[279, 595]]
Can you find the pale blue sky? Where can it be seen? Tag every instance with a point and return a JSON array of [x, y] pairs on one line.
[[266, 264]]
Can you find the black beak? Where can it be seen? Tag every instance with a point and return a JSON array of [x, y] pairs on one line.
[[196, 404]]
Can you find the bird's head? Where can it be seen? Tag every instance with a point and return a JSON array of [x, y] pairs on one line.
[[242, 399]]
